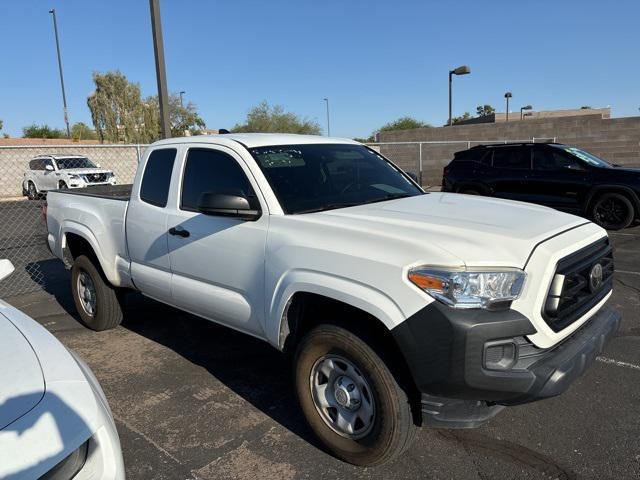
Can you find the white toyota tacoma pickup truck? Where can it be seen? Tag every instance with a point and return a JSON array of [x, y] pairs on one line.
[[401, 308]]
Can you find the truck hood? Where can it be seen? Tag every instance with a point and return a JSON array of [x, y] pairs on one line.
[[85, 171], [477, 231], [21, 378]]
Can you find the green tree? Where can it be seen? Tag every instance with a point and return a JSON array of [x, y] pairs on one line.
[[1, 124], [267, 118], [182, 119], [117, 110], [464, 116], [585, 107], [42, 131], [404, 123], [82, 131], [485, 110], [119, 113]]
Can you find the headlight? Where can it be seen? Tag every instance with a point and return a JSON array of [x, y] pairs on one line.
[[469, 289], [70, 466]]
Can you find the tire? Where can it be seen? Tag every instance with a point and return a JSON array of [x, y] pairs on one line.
[[391, 430], [613, 211], [32, 191], [62, 186], [470, 191], [107, 311]]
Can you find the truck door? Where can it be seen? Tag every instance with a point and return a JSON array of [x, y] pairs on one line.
[[218, 261], [510, 172], [560, 180], [147, 226]]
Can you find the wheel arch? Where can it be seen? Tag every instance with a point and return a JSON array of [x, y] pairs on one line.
[[78, 240], [598, 190]]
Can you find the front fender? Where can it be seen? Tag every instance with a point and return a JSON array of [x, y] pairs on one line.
[[345, 290]]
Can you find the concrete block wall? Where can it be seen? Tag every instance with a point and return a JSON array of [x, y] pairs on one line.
[[614, 139]]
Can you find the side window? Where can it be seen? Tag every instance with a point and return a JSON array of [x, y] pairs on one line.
[[208, 170], [512, 158], [33, 165], [157, 177], [46, 162], [553, 159]]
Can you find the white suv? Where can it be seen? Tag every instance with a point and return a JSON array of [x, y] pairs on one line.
[[59, 172]]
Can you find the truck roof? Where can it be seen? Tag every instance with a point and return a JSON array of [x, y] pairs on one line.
[[251, 140]]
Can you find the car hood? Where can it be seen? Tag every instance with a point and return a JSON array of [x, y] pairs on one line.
[[476, 231], [85, 171], [21, 379]]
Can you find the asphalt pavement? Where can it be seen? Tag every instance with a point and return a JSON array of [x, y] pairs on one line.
[[195, 400]]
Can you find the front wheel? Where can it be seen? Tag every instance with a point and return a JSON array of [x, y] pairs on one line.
[[97, 302], [613, 211], [350, 398], [32, 192]]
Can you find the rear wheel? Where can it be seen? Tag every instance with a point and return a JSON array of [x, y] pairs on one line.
[[350, 398], [97, 302], [612, 211]]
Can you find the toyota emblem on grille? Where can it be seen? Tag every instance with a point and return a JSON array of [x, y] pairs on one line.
[[595, 277]]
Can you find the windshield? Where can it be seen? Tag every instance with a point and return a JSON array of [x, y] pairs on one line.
[[316, 177], [587, 157], [74, 162]]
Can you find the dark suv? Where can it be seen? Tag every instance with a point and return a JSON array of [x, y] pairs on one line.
[[551, 174]]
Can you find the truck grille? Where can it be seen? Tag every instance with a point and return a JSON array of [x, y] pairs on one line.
[[582, 279], [96, 177]]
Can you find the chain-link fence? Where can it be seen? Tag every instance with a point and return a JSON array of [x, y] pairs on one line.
[[26, 173], [426, 160]]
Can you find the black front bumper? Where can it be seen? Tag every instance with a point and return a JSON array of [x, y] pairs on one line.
[[446, 352]]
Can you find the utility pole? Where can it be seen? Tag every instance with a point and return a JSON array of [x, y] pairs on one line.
[[64, 96], [328, 127], [161, 74]]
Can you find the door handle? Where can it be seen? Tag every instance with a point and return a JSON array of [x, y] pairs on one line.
[[179, 231]]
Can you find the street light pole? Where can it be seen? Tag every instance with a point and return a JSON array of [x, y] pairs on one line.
[[462, 70], [328, 127], [181, 94], [161, 74], [508, 95], [64, 96]]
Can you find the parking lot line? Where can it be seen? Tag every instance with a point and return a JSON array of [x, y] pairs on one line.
[[618, 363], [627, 272]]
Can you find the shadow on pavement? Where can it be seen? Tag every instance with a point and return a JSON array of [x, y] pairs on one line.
[[249, 367]]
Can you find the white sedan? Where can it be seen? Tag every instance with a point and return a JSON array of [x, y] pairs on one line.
[[55, 422]]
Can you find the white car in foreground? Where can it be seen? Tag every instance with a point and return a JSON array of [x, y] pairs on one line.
[[60, 172], [55, 422]]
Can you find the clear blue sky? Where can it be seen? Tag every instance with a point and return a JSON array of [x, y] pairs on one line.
[[376, 60]]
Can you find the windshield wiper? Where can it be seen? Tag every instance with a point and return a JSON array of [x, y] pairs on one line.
[[334, 206], [331, 206]]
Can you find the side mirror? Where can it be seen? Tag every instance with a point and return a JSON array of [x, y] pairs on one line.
[[227, 205], [98, 165], [49, 168], [6, 268]]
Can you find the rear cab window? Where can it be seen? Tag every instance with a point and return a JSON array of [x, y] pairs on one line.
[[156, 179]]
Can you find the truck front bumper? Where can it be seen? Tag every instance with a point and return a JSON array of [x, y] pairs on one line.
[[469, 364]]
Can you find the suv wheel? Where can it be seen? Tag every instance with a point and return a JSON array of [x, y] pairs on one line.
[[62, 186], [97, 302], [32, 192], [350, 398], [613, 211]]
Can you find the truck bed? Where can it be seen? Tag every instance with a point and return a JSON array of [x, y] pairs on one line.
[[113, 192]]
